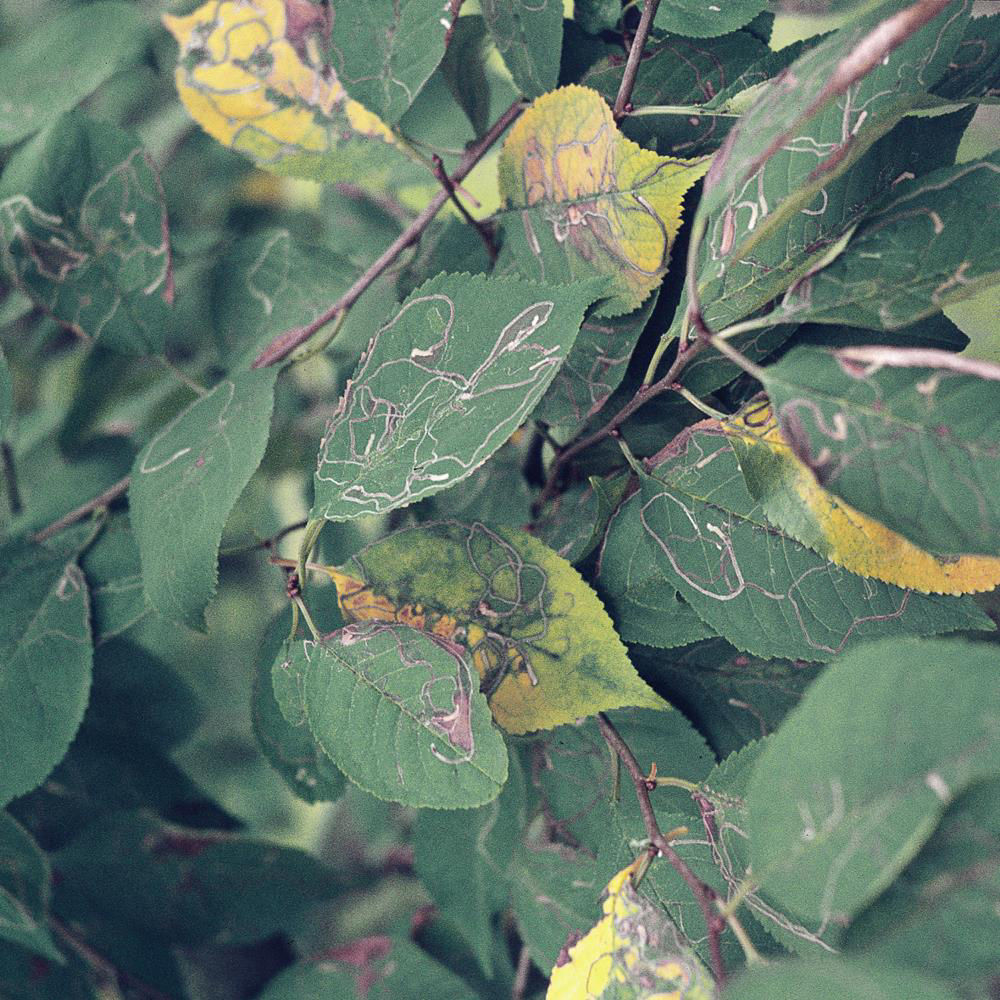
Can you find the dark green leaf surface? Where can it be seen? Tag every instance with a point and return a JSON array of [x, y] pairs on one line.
[[289, 749], [441, 387], [464, 69], [701, 20], [184, 484], [757, 587], [828, 831], [464, 860], [645, 605], [836, 979], [811, 123], [908, 438], [6, 396], [383, 51], [131, 866], [528, 34], [378, 968], [83, 232], [940, 914], [25, 884], [929, 244], [400, 713], [595, 367], [975, 65], [731, 697], [114, 578], [46, 654], [64, 60], [270, 283], [24, 977]]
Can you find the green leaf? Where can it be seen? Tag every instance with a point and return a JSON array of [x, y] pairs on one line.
[[821, 99], [269, 283], [925, 247], [828, 831], [97, 41], [835, 979], [754, 584], [678, 74], [130, 866], [377, 968], [575, 522], [569, 220], [83, 232], [528, 35], [906, 437], [289, 749], [383, 51], [114, 578], [464, 860], [24, 977], [916, 146], [25, 884], [644, 604], [399, 713], [441, 387], [700, 20], [464, 69], [543, 646], [732, 698], [46, 654], [554, 896], [975, 65], [595, 367], [184, 484], [925, 919]]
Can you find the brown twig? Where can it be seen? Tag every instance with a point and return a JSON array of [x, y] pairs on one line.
[[480, 227], [286, 342], [265, 543], [704, 894], [111, 494], [454, 9], [624, 98], [521, 974]]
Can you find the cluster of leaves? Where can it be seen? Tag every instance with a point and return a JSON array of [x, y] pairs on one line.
[[574, 509]]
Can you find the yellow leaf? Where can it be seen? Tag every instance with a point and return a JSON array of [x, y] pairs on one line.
[[593, 202], [797, 504], [250, 87], [633, 950]]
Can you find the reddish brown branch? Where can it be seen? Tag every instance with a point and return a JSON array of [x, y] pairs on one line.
[[454, 9], [703, 893], [286, 342], [111, 494], [624, 98], [482, 228]]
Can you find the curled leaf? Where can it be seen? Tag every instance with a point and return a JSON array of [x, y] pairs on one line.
[[589, 201], [794, 501], [634, 951], [250, 74]]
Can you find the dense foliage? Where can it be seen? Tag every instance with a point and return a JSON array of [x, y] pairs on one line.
[[493, 505]]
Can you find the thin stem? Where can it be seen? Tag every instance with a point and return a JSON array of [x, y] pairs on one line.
[[688, 786], [264, 543], [304, 611], [480, 227], [286, 342], [698, 404], [106, 498], [10, 479], [705, 895], [311, 348], [751, 954], [624, 98], [678, 109]]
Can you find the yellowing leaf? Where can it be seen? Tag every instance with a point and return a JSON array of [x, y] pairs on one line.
[[255, 82], [591, 201], [539, 637], [795, 502], [634, 952]]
